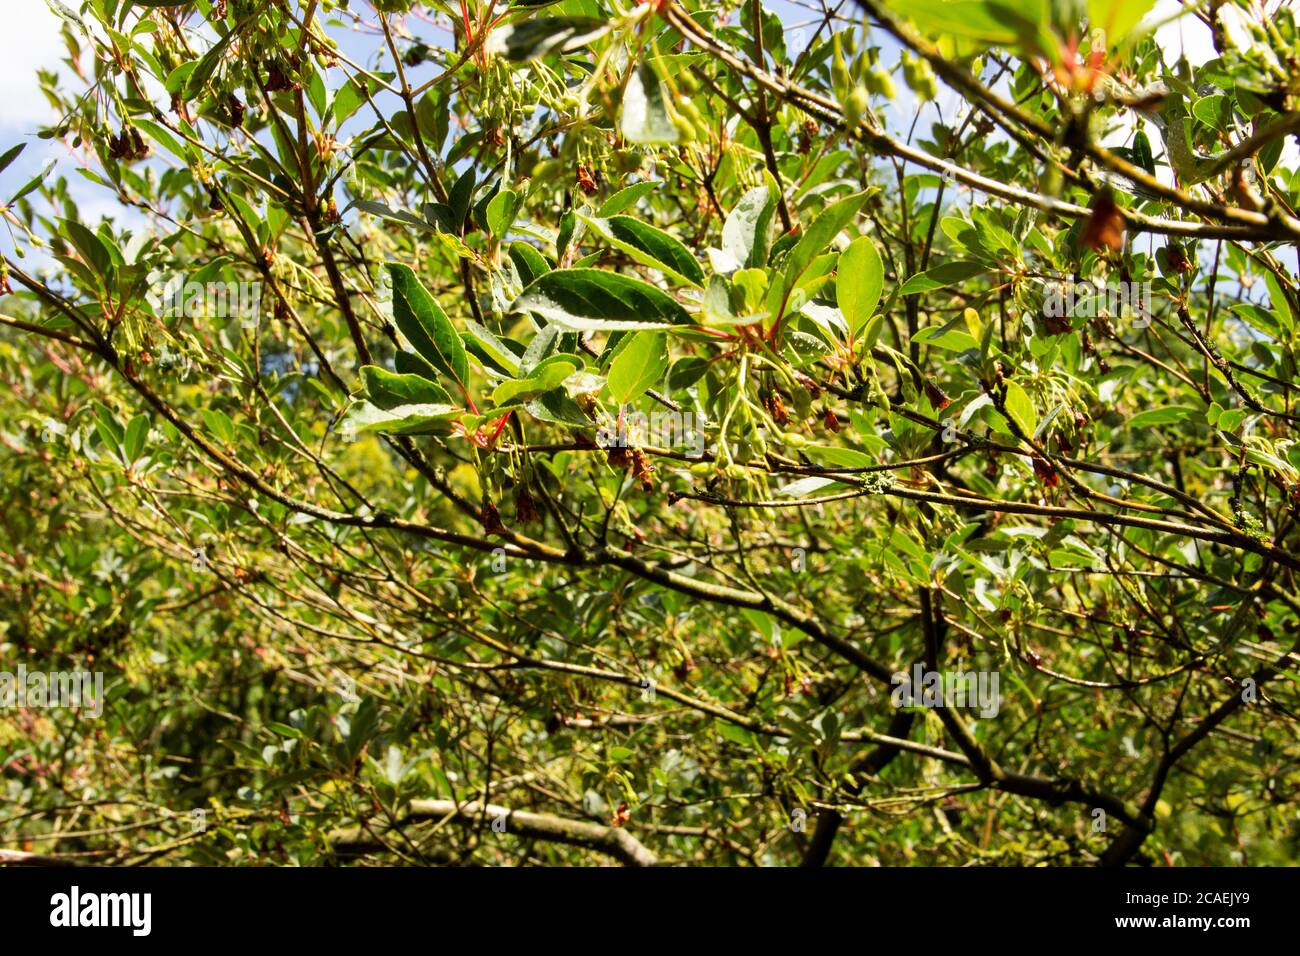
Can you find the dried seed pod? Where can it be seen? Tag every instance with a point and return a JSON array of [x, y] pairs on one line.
[[643, 470], [807, 134], [1046, 471], [807, 381], [1104, 229], [683, 669], [619, 457], [587, 181], [139, 148], [1056, 324], [491, 519], [621, 816], [775, 406], [1239, 190], [119, 146], [938, 398], [525, 507], [277, 78], [416, 54], [1177, 256]]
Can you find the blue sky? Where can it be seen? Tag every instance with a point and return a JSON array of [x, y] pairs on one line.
[[29, 41]]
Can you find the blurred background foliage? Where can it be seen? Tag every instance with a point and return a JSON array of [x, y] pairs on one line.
[[329, 601]]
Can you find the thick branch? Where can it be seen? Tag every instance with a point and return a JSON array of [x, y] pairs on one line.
[[611, 841]]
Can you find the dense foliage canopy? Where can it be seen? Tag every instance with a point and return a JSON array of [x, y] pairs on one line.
[[540, 432]]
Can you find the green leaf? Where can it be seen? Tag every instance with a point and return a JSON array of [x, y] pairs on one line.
[[92, 249], [386, 212], [219, 424], [1167, 415], [175, 80], [716, 305], [1020, 409], [1117, 17], [1212, 110], [1280, 302], [950, 273], [137, 433], [31, 184], [1271, 462], [649, 246], [419, 317], [558, 408], [10, 155], [388, 390], [163, 136], [973, 21], [543, 344], [565, 234], [840, 457], [1230, 421], [207, 65], [433, 117], [547, 375], [364, 726], [811, 244], [804, 486], [687, 371], [402, 419], [106, 424], [408, 363], [491, 351], [591, 299], [627, 197], [954, 336], [645, 117], [746, 235], [501, 212], [737, 735], [529, 263], [458, 199], [531, 39], [639, 364], [348, 99], [860, 279], [1142, 152]]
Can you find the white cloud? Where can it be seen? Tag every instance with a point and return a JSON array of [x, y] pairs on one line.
[[1185, 34], [29, 41], [1189, 34]]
